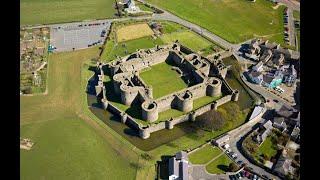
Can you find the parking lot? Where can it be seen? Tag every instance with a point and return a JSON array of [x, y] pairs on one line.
[[73, 36]]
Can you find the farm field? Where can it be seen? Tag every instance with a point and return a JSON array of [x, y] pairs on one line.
[[67, 142], [55, 11], [133, 31], [204, 155], [163, 80], [233, 20]]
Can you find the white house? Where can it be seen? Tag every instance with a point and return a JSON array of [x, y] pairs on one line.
[[258, 67], [256, 77]]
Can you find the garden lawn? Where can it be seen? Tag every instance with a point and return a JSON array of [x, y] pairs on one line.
[[163, 80], [204, 155], [233, 20], [219, 165], [68, 143], [57, 11], [187, 38], [267, 148], [296, 15]]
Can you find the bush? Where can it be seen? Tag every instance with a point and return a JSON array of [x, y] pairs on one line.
[[233, 167], [211, 120], [146, 156]]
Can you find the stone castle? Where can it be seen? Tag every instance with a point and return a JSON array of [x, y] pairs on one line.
[[205, 78]]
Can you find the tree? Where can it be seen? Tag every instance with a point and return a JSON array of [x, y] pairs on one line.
[[211, 120], [233, 167]]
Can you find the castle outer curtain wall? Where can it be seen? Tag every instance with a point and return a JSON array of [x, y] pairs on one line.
[[130, 87]]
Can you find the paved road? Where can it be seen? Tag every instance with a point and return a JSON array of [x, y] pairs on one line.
[[200, 173], [290, 4], [292, 35], [235, 145], [170, 17]]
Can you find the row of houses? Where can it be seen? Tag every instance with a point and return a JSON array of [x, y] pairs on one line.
[[287, 120], [273, 64]]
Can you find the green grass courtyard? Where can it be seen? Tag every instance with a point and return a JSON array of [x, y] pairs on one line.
[[163, 80]]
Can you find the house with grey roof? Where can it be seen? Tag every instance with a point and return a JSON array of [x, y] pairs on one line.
[[178, 166], [286, 112], [279, 123], [263, 132], [258, 67], [295, 134], [256, 77], [283, 166]]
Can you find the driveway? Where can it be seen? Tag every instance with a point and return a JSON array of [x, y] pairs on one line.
[[235, 147]]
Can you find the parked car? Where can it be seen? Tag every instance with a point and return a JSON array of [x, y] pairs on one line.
[[228, 151], [241, 173], [240, 163], [238, 176]]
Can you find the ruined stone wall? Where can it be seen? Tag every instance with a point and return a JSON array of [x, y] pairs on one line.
[[164, 103], [226, 54], [223, 100]]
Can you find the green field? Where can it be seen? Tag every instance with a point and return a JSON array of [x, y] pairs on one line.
[[56, 11], [69, 143], [219, 165], [204, 155], [187, 38], [113, 49], [171, 33], [163, 80], [233, 20]]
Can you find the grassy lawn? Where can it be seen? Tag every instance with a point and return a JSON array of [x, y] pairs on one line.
[[204, 155], [233, 20], [172, 32], [163, 80], [187, 38], [68, 143], [55, 11], [219, 166], [267, 148], [113, 49], [133, 31], [296, 15]]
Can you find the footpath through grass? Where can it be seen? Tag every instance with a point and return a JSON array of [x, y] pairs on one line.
[[233, 20], [219, 165], [204, 155], [58, 11], [68, 143]]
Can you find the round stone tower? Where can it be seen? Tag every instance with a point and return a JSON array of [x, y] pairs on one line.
[[214, 87], [235, 95], [104, 103], [144, 133], [192, 116], [185, 102], [149, 111], [169, 124], [127, 94]]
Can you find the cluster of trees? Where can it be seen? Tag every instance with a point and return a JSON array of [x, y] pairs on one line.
[[211, 121]]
